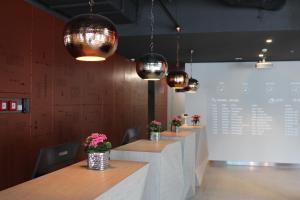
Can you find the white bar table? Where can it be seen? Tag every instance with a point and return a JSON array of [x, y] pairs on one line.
[[123, 180], [165, 178], [201, 150], [187, 140]]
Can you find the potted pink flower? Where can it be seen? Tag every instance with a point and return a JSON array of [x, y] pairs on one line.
[[97, 147], [195, 119], [176, 122], [155, 129]]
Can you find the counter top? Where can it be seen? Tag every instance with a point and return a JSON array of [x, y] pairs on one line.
[[190, 126], [174, 134], [74, 182], [145, 146]]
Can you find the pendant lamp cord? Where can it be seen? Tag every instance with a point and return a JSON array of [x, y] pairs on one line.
[[177, 47], [192, 51], [92, 4], [152, 27]]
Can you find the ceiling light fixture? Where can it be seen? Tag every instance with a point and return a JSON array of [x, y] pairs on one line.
[[177, 79], [90, 37], [269, 40], [152, 66], [238, 58]]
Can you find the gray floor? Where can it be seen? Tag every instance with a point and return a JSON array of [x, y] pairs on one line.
[[250, 183]]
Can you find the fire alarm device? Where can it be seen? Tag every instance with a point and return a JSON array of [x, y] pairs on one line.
[[12, 105], [3, 105]]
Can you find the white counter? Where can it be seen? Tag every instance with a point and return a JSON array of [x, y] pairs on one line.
[[165, 178], [187, 140], [201, 150]]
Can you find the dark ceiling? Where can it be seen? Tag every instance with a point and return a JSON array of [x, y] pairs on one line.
[[119, 11], [217, 32], [218, 47]]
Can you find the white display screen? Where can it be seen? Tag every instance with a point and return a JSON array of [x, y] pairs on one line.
[[250, 114]]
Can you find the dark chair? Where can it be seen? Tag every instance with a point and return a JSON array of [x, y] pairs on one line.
[[131, 135], [54, 158]]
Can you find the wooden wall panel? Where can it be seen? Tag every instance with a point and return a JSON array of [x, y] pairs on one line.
[[15, 45], [69, 99], [161, 101]]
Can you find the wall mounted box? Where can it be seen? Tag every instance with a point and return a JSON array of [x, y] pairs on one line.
[[12, 105], [3, 105]]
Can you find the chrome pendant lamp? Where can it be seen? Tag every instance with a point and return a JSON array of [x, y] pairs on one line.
[[177, 79], [151, 66], [90, 37], [193, 86]]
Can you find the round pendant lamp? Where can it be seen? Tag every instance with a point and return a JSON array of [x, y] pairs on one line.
[[177, 79], [152, 66], [193, 86], [90, 37]]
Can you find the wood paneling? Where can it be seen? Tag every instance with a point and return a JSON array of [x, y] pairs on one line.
[[69, 99], [161, 101]]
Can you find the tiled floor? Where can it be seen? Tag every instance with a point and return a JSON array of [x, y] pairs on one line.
[[250, 183]]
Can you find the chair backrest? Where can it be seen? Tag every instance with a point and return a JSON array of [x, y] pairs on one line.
[[131, 134], [54, 158]]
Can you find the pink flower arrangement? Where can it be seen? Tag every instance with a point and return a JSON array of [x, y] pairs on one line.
[[176, 120], [97, 142], [156, 122], [96, 138], [195, 119], [155, 126]]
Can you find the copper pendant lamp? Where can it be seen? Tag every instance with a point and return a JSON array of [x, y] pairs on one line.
[[152, 66], [177, 79], [90, 37]]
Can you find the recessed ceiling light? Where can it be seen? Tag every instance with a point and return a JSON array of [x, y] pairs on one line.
[[269, 40], [260, 55], [238, 58]]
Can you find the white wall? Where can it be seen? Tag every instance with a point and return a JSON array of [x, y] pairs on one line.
[[176, 104], [250, 114]]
